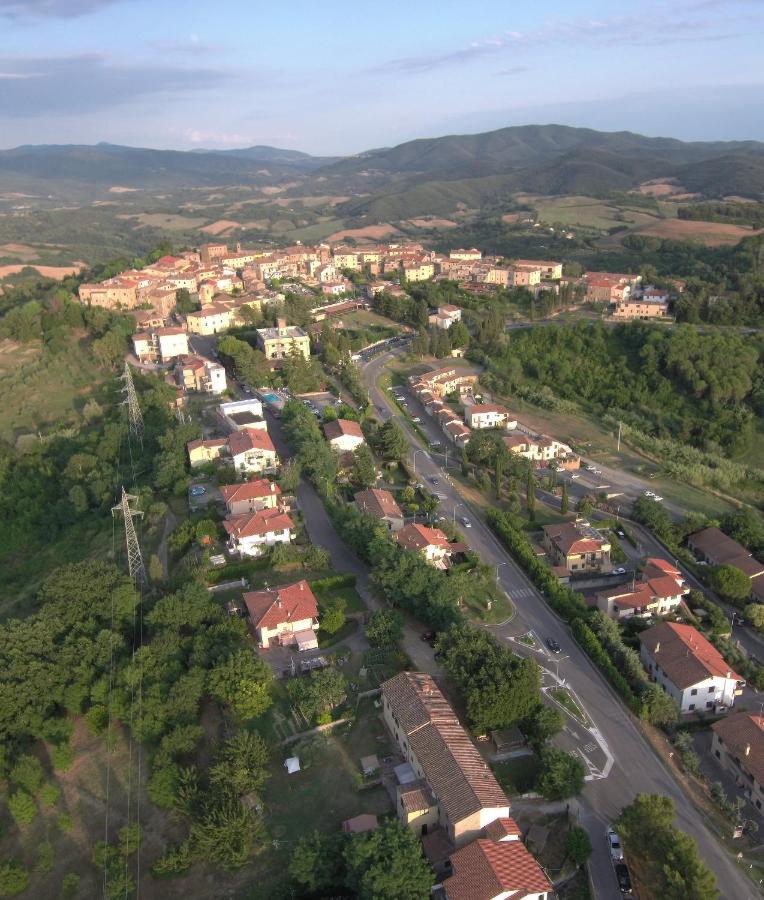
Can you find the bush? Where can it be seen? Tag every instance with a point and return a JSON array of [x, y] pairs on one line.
[[22, 807], [64, 822], [28, 773], [61, 757], [562, 774], [50, 794], [163, 785], [69, 886], [14, 878]]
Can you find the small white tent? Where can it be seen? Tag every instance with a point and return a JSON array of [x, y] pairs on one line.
[[292, 765]]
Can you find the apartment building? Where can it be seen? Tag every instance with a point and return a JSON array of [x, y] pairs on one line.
[[194, 373], [470, 255], [286, 616], [441, 382], [525, 276], [213, 319], [283, 341], [550, 269], [160, 345], [419, 270], [488, 415], [464, 793], [689, 668], [540, 448], [577, 547], [738, 744]]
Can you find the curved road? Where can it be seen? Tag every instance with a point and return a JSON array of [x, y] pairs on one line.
[[637, 768]]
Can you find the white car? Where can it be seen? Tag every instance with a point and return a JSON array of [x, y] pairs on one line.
[[589, 468], [614, 845], [649, 494], [466, 522], [657, 498], [573, 477], [416, 419]]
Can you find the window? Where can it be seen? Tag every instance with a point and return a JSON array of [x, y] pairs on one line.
[[691, 706], [711, 689], [709, 704], [717, 754], [694, 691]]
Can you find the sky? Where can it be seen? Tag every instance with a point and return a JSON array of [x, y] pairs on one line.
[[339, 78]]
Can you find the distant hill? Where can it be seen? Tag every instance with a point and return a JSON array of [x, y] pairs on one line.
[[265, 154]]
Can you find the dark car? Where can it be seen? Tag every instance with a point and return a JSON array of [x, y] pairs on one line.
[[433, 480], [553, 645], [624, 879], [428, 637]]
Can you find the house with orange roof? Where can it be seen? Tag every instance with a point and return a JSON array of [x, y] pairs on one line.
[[659, 591], [201, 452], [287, 616], [251, 534], [252, 450], [577, 547], [381, 505], [689, 668], [250, 496], [431, 543], [497, 868]]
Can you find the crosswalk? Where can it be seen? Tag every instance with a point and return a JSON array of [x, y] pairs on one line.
[[521, 594]]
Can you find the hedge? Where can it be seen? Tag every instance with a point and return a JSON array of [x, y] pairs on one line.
[[599, 656], [333, 581]]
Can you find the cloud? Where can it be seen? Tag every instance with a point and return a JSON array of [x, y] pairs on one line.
[[50, 9], [692, 21], [512, 70], [191, 46], [85, 84]]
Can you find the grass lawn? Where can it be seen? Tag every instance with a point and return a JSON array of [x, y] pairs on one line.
[[517, 775], [324, 793], [351, 596], [565, 699], [329, 640]]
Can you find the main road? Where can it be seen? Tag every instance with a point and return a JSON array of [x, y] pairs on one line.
[[637, 768]]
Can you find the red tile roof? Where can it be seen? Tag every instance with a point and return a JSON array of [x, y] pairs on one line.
[[341, 428], [502, 828], [263, 521], [275, 606], [743, 737], [249, 490], [214, 442], [377, 502], [661, 565], [417, 537], [569, 539], [485, 869], [684, 654], [250, 439]]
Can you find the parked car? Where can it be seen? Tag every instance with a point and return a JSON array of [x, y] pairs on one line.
[[624, 879], [428, 637], [574, 476], [433, 480], [466, 522], [658, 499], [614, 845], [197, 490], [416, 419], [649, 494], [589, 468], [553, 645], [619, 571]]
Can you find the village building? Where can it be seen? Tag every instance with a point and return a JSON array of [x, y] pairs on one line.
[[252, 450], [160, 345], [488, 415], [283, 341], [689, 668], [738, 744], [659, 591], [239, 414], [431, 543], [194, 373], [343, 435], [285, 616]]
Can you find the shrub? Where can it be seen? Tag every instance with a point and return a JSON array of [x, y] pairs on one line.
[[69, 886], [28, 773], [14, 878], [22, 807], [64, 822], [61, 757], [50, 794]]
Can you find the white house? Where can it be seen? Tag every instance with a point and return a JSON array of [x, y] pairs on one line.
[[344, 435], [488, 415], [250, 496], [252, 450], [659, 591], [432, 543], [445, 317], [689, 668], [252, 533], [160, 345]]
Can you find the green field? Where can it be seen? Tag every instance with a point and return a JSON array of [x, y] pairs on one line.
[[587, 212]]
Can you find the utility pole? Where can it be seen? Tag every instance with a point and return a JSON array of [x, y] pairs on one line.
[[618, 448], [133, 407], [134, 559]]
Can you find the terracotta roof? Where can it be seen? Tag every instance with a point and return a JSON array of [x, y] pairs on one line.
[[517, 440], [416, 797], [570, 539], [478, 408], [741, 732], [214, 442], [487, 869], [250, 439], [341, 428], [261, 522], [502, 828], [655, 566], [377, 502], [417, 537], [684, 654], [453, 769], [249, 490], [719, 547], [274, 606]]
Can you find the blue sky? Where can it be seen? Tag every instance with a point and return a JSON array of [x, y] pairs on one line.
[[343, 77]]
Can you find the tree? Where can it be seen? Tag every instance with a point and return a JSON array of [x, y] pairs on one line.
[[646, 816], [530, 496], [315, 695], [364, 473], [317, 864], [730, 583], [562, 774], [242, 682], [578, 846], [384, 628], [754, 612], [22, 807], [745, 526], [156, 569], [241, 764], [28, 773], [393, 440], [332, 614], [387, 864], [660, 708], [460, 336], [14, 878], [225, 834], [564, 503], [183, 300], [543, 724]]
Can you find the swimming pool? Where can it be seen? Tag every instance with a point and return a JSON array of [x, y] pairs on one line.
[[271, 398]]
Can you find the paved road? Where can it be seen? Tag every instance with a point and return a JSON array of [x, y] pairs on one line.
[[637, 769]]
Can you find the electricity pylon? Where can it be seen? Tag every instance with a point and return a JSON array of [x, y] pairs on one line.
[[133, 407], [134, 559]]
